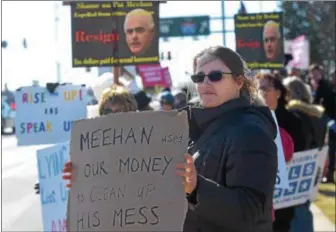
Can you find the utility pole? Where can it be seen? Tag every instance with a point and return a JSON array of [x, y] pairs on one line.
[[57, 57], [223, 21]]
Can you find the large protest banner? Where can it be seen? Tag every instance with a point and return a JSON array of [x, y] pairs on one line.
[[124, 176], [305, 171], [281, 179], [259, 39], [53, 193], [114, 33], [44, 117]]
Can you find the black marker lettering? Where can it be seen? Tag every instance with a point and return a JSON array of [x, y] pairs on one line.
[[131, 135], [84, 141], [145, 135], [94, 138], [155, 215], [106, 138], [128, 216], [118, 136], [118, 216], [142, 214]]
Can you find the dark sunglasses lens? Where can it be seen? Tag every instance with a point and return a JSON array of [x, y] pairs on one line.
[[197, 78], [215, 76]]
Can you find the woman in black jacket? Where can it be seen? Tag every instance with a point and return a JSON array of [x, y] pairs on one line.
[[301, 103], [275, 95], [230, 177]]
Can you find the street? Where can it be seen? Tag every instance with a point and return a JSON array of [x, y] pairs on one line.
[[21, 210]]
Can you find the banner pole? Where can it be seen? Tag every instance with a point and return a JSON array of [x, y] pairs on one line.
[[116, 71]]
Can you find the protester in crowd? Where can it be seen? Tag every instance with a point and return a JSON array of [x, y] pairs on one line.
[[166, 101], [143, 101], [300, 102], [234, 164], [116, 99], [325, 94], [180, 99], [274, 93]]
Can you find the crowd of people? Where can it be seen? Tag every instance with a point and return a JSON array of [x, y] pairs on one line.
[[231, 162]]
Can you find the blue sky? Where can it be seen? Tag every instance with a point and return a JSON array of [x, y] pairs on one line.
[[20, 67]]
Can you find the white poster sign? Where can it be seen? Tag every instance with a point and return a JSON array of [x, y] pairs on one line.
[[43, 117], [304, 175], [281, 180]]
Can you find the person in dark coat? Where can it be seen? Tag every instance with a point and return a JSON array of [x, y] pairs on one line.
[[231, 168], [143, 101], [275, 95], [325, 94], [301, 103]]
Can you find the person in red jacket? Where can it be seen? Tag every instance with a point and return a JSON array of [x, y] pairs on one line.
[[287, 144]]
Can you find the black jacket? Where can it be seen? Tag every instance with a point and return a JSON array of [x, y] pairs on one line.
[[237, 166], [326, 95], [294, 125], [315, 126]]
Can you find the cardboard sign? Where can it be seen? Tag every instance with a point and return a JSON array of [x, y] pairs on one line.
[[281, 179], [304, 174], [53, 193], [259, 39], [43, 117], [114, 33], [124, 176]]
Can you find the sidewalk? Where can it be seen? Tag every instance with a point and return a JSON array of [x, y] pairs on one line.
[[321, 222]]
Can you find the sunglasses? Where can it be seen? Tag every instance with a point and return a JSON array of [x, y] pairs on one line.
[[213, 76]]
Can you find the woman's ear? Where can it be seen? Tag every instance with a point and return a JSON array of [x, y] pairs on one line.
[[278, 93], [240, 81]]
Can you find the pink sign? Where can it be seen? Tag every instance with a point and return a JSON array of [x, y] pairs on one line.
[[300, 53], [154, 75]]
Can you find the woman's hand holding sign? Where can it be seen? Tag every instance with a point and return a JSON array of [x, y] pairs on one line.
[[188, 172], [67, 173]]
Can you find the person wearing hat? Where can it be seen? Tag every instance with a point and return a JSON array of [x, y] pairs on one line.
[[143, 101], [166, 101]]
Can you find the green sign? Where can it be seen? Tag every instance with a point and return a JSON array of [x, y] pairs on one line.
[[185, 26]]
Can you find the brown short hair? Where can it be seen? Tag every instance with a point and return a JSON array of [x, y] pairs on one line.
[[315, 67], [275, 80], [117, 94], [235, 63]]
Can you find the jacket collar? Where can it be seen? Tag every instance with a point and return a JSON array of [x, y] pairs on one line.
[[200, 117]]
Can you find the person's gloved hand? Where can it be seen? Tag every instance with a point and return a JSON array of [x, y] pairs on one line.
[[37, 188]]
